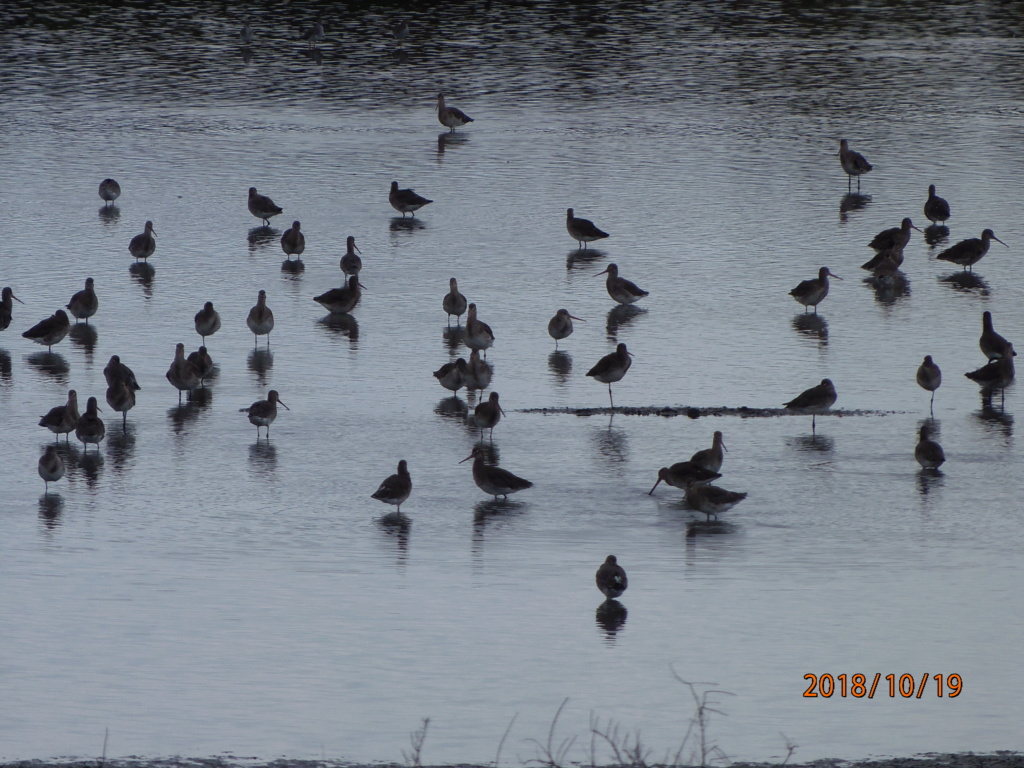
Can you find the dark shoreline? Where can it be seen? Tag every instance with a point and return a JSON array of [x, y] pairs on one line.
[[998, 759]]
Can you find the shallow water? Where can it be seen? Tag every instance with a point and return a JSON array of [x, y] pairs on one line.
[[195, 591]]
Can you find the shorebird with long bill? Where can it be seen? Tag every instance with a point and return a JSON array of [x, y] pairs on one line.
[[494, 480]]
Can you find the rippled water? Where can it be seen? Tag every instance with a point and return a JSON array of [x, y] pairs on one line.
[[196, 591]]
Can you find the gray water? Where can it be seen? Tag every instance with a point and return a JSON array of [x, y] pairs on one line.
[[196, 591]]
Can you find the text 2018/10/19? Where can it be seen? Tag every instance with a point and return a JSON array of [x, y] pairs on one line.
[[906, 685]]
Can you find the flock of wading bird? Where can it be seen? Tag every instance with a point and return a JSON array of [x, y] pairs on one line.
[[187, 373], [884, 266]]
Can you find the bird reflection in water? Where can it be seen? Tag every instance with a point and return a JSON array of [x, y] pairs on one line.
[[180, 417], [121, 447], [852, 201], [495, 510], [183, 414], [109, 214], [293, 267], [260, 361], [812, 443], [889, 286], [90, 464], [263, 457], [695, 528], [84, 336], [813, 326], [261, 237], [200, 398], [5, 365], [246, 54], [993, 415], [50, 507], [53, 364], [342, 324], [453, 336], [452, 407], [929, 480], [612, 444], [581, 257], [620, 317], [407, 224], [610, 618], [560, 365], [936, 234], [315, 55], [400, 527], [966, 282], [143, 273], [448, 140]]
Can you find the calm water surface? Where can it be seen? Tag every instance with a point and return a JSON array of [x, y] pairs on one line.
[[196, 591]]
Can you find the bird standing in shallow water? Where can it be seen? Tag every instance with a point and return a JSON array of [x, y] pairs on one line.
[[350, 263], [245, 34], [339, 301], [396, 488], [51, 330], [478, 333], [7, 299], [811, 292], [263, 412], [405, 200], [494, 480], [182, 374], [478, 372], [894, 238], [993, 346], [452, 375], [583, 231], [110, 190], [61, 419], [995, 374], [51, 467], [121, 399], [560, 326], [454, 303], [854, 163], [619, 288], [929, 377], [487, 414], [936, 210], [611, 578], [207, 321], [143, 246], [928, 453], [612, 367], [90, 427], [814, 400], [681, 474], [84, 303], [712, 500], [262, 207], [969, 252], [260, 319], [115, 371], [314, 35], [293, 242], [711, 458], [451, 117], [202, 362], [399, 31]]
